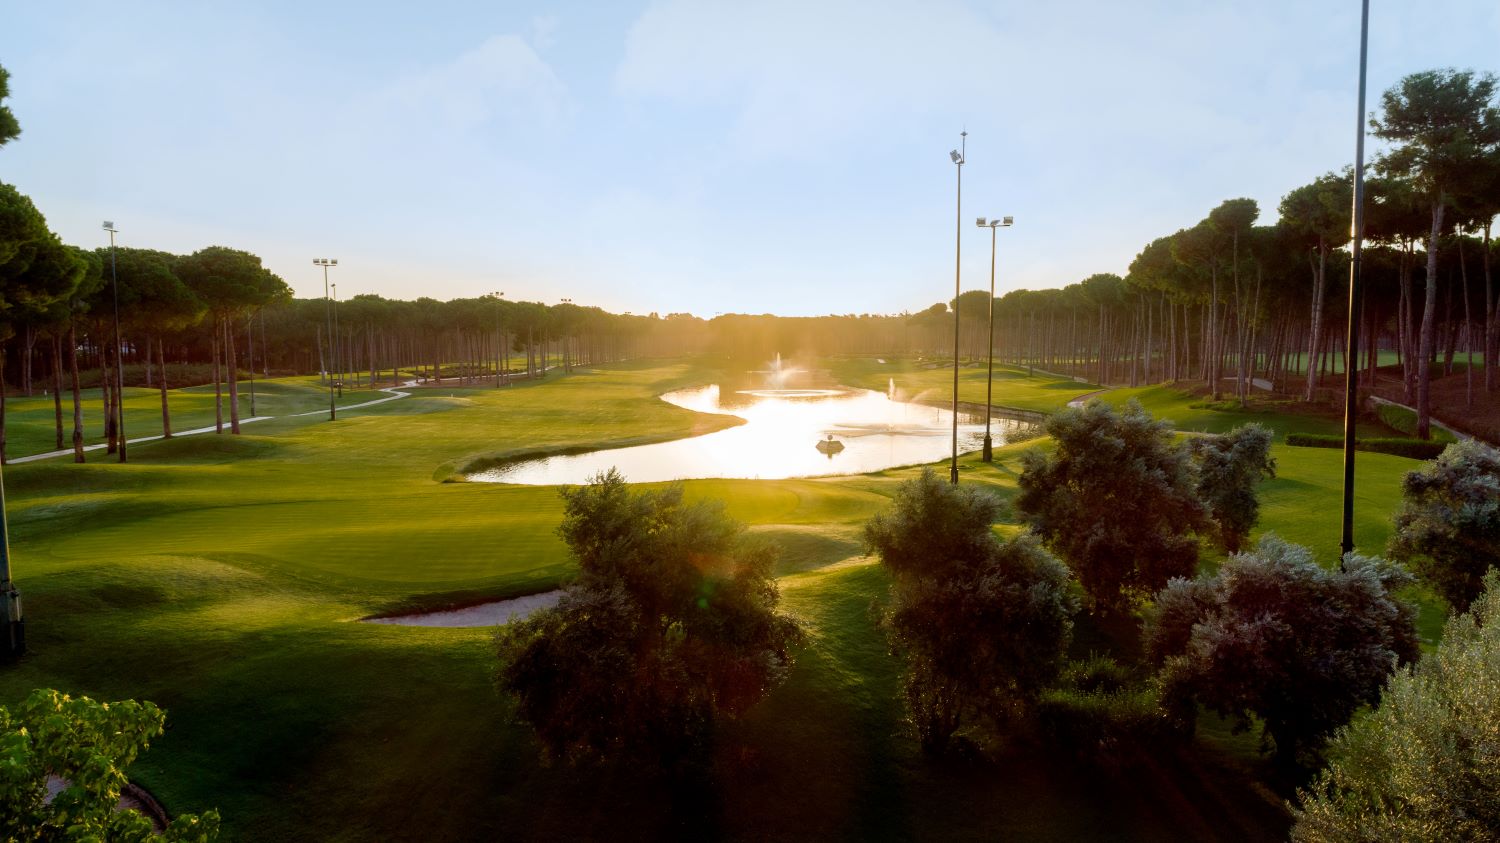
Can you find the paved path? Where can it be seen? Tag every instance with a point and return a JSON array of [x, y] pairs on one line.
[[394, 394]]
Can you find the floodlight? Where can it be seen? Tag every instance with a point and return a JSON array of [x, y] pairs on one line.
[[981, 222], [334, 262], [109, 225], [957, 159], [1008, 221]]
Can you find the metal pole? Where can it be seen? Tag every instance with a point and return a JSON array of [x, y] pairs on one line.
[[1357, 236], [328, 317], [13, 638], [119, 362], [957, 265], [989, 381]]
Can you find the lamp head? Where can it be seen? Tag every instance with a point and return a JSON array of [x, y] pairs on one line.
[[109, 225], [981, 222], [1008, 221], [957, 159]]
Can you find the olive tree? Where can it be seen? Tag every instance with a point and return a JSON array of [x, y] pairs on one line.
[[670, 626], [1275, 636], [1424, 766], [1116, 499], [1229, 467], [88, 745], [983, 624], [1448, 527]]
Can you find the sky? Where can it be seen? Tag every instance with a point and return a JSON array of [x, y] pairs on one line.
[[691, 155]]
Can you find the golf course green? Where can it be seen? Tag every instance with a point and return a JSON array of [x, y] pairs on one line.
[[222, 577]]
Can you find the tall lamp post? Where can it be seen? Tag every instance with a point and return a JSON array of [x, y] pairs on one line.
[[328, 318], [989, 380], [499, 341], [1356, 236], [958, 156], [114, 279]]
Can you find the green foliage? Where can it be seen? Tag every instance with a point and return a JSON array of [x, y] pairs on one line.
[[1116, 500], [1405, 421], [1101, 714], [1275, 636], [982, 624], [1424, 766], [1448, 528], [1229, 467], [36, 270], [88, 744], [1417, 449], [229, 281], [670, 625], [10, 128], [1440, 123]]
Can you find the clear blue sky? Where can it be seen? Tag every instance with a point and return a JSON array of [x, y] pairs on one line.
[[786, 157]]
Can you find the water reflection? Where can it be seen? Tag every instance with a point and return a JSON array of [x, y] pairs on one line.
[[785, 434]]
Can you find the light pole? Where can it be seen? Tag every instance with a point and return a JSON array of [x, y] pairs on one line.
[[119, 364], [958, 156], [328, 318], [250, 338], [1356, 236], [989, 381], [500, 339]]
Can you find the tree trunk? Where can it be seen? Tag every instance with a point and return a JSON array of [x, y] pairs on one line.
[[1315, 329], [161, 363], [232, 366], [57, 386], [1428, 337], [218, 379], [106, 393], [77, 393]]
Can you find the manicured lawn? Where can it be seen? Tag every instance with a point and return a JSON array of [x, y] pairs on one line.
[[219, 576], [1013, 387]]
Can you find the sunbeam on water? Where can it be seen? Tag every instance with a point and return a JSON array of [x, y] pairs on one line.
[[780, 438]]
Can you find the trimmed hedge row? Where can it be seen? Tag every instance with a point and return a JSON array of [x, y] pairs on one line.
[[1413, 448]]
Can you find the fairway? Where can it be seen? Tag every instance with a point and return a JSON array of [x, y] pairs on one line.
[[220, 576]]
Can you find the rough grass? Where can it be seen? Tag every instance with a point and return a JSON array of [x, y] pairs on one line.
[[219, 576]]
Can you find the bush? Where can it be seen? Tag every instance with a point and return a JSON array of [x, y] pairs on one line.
[[1425, 765], [1116, 500], [1104, 727], [1448, 527], [1417, 449], [982, 624], [89, 744], [1405, 421], [670, 627], [1229, 468], [1274, 636]]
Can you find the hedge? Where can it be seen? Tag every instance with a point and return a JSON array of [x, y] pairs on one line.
[[1415, 449]]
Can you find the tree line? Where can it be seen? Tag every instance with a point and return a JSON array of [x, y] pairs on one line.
[[1228, 300]]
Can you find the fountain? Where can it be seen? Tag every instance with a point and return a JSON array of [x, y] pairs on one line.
[[776, 379]]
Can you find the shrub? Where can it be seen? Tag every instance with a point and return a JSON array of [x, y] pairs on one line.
[[1229, 467], [1100, 713], [89, 744], [1448, 527], [1116, 500], [1425, 765], [982, 624], [670, 626], [1275, 636], [1417, 449]]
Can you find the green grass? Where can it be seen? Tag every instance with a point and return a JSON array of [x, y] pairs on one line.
[[1013, 386], [31, 423], [219, 576]]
